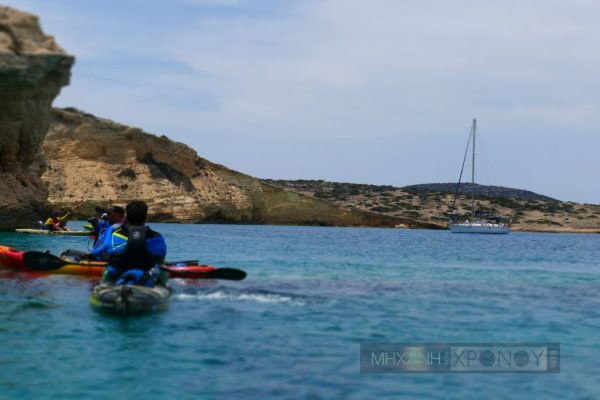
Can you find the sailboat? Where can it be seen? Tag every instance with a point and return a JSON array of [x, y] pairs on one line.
[[479, 222]]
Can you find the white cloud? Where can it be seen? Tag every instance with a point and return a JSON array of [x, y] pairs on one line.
[[352, 63]]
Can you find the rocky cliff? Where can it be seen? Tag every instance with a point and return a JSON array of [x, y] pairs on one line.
[[104, 162], [33, 68]]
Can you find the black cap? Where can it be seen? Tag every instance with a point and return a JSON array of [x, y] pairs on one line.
[[115, 209]]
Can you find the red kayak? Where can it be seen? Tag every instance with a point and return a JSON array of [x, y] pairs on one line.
[[15, 260], [11, 258]]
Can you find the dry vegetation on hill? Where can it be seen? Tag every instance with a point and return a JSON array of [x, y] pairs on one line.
[[532, 213]]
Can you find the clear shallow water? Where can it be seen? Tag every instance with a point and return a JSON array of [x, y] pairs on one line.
[[292, 329]]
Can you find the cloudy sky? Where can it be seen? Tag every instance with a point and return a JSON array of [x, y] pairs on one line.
[[378, 91]]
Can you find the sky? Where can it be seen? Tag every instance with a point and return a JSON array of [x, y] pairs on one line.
[[377, 92]]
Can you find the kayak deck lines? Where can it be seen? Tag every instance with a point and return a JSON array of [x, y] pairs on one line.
[[126, 300]]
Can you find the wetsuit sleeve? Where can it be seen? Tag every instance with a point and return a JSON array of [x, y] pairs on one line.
[[111, 242], [157, 247], [100, 250], [100, 227]]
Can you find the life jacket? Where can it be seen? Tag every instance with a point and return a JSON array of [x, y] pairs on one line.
[[55, 226], [136, 254]]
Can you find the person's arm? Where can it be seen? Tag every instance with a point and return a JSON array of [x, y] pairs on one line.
[[157, 247], [64, 217], [99, 251], [104, 243]]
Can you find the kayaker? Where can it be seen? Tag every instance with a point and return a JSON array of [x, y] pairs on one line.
[[105, 224], [133, 250], [55, 223]]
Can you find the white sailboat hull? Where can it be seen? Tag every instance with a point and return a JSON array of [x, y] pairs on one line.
[[479, 227]]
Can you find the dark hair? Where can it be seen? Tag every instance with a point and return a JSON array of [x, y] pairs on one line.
[[136, 212]]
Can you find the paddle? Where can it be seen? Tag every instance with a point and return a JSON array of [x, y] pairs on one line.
[[230, 274], [39, 261]]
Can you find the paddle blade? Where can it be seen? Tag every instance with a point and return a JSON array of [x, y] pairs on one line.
[[205, 272], [39, 261], [230, 274]]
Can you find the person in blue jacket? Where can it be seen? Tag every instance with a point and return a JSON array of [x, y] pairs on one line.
[[114, 215], [133, 250]]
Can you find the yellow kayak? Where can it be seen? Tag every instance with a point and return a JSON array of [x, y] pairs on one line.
[[46, 232]]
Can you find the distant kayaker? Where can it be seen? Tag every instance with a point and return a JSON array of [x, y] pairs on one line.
[[105, 224], [133, 250], [55, 223]]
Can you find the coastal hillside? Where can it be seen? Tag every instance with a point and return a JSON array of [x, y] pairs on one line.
[[432, 203], [104, 162]]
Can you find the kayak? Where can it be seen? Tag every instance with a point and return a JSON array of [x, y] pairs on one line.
[[129, 299], [47, 232], [12, 259]]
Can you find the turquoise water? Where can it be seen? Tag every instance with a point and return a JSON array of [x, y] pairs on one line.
[[292, 329]]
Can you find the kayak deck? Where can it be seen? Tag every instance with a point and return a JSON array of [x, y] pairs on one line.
[[46, 232], [129, 299]]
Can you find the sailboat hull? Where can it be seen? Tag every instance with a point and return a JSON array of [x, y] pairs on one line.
[[480, 228]]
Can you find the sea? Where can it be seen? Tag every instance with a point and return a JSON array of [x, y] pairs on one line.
[[293, 329]]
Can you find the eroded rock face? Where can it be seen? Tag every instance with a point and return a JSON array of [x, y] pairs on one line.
[[105, 162], [33, 69]]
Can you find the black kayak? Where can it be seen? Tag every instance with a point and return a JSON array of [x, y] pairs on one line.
[[130, 299]]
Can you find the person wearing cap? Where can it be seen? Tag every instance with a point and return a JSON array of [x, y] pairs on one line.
[[114, 215], [114, 220], [103, 227]]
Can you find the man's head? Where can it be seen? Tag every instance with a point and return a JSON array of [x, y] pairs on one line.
[[136, 212], [115, 214]]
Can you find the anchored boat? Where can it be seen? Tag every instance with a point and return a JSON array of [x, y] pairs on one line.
[[480, 222]]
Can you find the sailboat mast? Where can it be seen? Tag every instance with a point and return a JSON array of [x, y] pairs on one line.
[[473, 166], [473, 171]]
